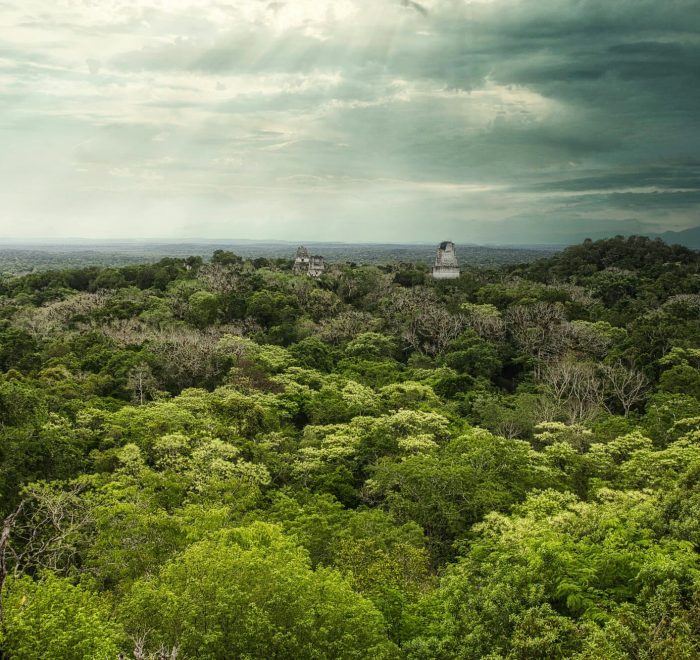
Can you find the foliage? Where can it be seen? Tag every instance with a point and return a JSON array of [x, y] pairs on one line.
[[224, 459]]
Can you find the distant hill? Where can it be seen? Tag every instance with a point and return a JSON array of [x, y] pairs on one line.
[[641, 254], [688, 237]]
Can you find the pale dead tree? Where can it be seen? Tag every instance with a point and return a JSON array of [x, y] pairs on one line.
[[179, 306], [134, 332], [53, 317], [346, 326], [508, 427], [575, 389], [626, 385], [586, 395], [691, 300], [221, 279], [142, 383], [53, 530], [539, 330], [406, 303], [430, 331], [422, 321], [7, 527], [140, 652], [163, 652], [415, 299], [578, 294], [47, 530], [127, 332], [189, 355], [547, 409]]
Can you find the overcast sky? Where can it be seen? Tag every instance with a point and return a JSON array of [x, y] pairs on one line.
[[370, 120]]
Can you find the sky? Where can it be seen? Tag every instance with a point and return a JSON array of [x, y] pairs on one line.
[[484, 121]]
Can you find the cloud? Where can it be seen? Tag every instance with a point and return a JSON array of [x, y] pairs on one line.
[[416, 6], [358, 119]]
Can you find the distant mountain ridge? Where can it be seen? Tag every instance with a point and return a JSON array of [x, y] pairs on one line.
[[687, 237]]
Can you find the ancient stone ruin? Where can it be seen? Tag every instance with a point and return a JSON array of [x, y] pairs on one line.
[[301, 261], [446, 265], [316, 266], [305, 264]]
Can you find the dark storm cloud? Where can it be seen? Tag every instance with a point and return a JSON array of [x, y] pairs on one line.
[[545, 116], [416, 6]]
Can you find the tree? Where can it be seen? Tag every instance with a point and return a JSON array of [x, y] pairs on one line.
[[447, 490], [202, 308], [577, 389], [270, 308], [370, 345], [431, 329], [142, 383], [48, 531], [559, 577], [626, 386], [540, 331], [226, 258], [313, 353], [469, 353], [255, 596], [52, 618], [485, 320], [681, 379]]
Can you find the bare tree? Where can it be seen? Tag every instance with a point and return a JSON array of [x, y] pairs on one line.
[[425, 325], [575, 388], [50, 530], [540, 330], [346, 326], [432, 330], [7, 527], [53, 317], [221, 279], [625, 385], [163, 653], [142, 383], [190, 355]]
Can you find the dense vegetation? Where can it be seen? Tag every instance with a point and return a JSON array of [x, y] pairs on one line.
[[223, 460]]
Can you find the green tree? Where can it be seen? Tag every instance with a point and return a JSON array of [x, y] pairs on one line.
[[449, 489], [52, 618], [255, 596], [203, 308]]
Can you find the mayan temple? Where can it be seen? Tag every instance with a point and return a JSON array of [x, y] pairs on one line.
[[316, 266], [301, 261], [446, 265], [306, 264]]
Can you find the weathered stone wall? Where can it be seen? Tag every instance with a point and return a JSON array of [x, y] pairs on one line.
[[446, 264]]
